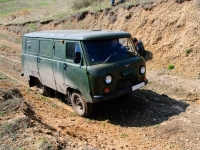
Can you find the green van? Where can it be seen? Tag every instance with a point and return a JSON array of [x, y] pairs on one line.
[[88, 66]]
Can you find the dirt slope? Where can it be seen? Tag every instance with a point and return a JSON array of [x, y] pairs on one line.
[[163, 115], [168, 29]]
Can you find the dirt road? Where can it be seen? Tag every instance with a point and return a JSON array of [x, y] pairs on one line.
[[163, 115]]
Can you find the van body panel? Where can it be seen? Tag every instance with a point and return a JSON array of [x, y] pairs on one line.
[[30, 66], [68, 74], [123, 72], [29, 57], [45, 63], [46, 72], [58, 65], [78, 34], [99, 98], [75, 74], [76, 77]]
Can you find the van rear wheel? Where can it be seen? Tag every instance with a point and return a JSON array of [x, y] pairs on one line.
[[80, 106], [40, 87]]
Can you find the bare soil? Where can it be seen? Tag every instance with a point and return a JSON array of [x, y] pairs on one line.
[[163, 115]]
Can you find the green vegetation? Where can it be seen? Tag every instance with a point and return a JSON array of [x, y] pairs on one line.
[[4, 46], [2, 76], [79, 4], [123, 135], [187, 51], [5, 77], [2, 113], [45, 99], [44, 3], [25, 126], [54, 105], [28, 89], [73, 114], [32, 26], [170, 66], [42, 139], [88, 120], [20, 11], [3, 1], [9, 127]]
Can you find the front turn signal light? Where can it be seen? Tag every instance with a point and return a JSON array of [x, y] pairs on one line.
[[106, 90], [144, 78]]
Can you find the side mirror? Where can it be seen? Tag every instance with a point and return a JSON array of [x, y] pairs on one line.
[[77, 57]]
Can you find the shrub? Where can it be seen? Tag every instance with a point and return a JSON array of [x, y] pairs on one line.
[[187, 51], [32, 26], [79, 4], [171, 67]]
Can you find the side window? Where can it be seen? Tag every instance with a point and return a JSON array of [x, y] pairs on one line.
[[31, 46], [59, 49], [46, 48], [70, 49]]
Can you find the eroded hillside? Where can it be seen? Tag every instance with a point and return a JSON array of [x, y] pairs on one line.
[[170, 31]]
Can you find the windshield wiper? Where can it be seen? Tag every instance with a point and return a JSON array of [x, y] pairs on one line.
[[108, 58]]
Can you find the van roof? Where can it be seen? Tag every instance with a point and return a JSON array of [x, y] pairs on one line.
[[78, 34]]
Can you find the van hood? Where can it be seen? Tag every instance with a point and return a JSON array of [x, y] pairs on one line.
[[124, 67]]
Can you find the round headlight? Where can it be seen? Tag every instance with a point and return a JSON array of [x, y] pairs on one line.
[[108, 79], [142, 70]]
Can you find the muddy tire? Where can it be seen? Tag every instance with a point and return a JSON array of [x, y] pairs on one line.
[[41, 88], [80, 106]]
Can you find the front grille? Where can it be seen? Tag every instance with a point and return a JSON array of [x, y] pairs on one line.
[[126, 83]]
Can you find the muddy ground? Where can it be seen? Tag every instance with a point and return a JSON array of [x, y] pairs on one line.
[[163, 115]]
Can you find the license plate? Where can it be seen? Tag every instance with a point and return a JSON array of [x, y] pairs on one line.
[[135, 87]]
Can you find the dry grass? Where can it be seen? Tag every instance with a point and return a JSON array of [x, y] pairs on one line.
[[21, 12]]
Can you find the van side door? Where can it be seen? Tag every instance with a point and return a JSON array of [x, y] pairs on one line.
[[58, 65], [75, 74], [45, 64]]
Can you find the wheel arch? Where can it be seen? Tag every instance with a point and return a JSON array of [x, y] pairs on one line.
[[32, 81], [70, 90]]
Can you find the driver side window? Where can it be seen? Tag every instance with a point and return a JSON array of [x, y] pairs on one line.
[[71, 48]]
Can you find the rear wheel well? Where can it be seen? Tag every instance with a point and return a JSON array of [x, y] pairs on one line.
[[32, 81]]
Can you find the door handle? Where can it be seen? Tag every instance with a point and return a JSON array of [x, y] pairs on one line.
[[65, 66], [38, 59]]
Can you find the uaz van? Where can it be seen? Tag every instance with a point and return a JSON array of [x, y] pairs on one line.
[[87, 66]]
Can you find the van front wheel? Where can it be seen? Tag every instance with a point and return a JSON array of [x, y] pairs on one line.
[[80, 106]]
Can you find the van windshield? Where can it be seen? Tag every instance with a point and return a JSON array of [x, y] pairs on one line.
[[110, 49]]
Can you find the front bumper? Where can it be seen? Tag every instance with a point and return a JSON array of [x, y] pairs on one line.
[[98, 98]]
